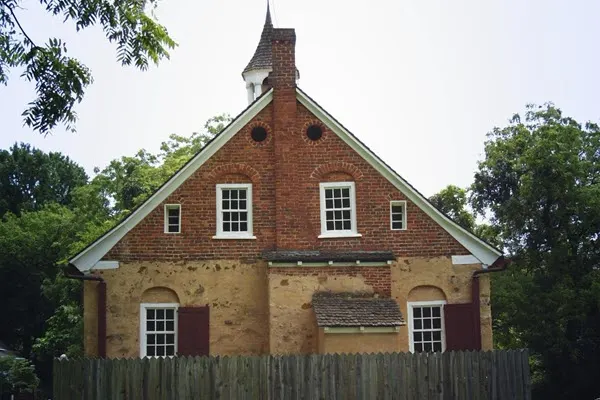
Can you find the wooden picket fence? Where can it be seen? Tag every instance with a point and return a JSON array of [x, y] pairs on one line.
[[452, 375]]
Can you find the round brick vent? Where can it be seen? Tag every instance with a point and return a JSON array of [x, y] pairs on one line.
[[314, 132], [259, 134]]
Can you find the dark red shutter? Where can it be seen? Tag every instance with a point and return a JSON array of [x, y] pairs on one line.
[[193, 331], [462, 329]]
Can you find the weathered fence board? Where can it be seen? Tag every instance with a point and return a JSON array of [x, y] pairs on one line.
[[498, 375]]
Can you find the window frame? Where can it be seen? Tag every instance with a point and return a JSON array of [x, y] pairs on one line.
[[404, 222], [411, 305], [220, 234], [143, 331], [166, 217], [353, 232]]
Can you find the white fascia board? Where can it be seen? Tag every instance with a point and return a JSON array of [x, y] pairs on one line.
[[480, 249], [106, 265], [463, 260], [86, 259]]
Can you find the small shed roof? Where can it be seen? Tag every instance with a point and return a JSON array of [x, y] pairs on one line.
[[351, 309]]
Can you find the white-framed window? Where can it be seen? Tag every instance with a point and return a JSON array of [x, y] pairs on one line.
[[426, 326], [172, 218], [338, 209], [234, 211], [398, 215], [158, 329]]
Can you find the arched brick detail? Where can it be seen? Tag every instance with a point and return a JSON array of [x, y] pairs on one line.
[[248, 131], [233, 168], [426, 293], [337, 166], [314, 142], [395, 196]]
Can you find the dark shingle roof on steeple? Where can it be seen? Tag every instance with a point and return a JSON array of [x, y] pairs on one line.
[[262, 58]]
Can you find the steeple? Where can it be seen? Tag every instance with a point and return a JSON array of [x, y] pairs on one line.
[[257, 71]]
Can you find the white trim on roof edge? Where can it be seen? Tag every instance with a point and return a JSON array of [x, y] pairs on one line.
[[481, 250], [85, 260]]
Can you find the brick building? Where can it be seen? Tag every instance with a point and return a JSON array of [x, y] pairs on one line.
[[285, 234]]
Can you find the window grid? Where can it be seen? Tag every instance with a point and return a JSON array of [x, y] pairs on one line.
[[398, 215], [234, 210], [427, 328], [160, 331], [338, 209], [172, 218]]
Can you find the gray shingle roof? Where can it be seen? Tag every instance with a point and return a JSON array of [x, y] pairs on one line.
[[351, 309], [263, 56], [325, 256]]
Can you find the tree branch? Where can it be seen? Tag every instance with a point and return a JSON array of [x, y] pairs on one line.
[[18, 23]]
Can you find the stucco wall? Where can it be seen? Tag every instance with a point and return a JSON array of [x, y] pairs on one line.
[[358, 342], [236, 293], [453, 280], [292, 322]]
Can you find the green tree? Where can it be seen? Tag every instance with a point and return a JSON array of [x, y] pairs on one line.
[[540, 183], [60, 80], [31, 179], [17, 375]]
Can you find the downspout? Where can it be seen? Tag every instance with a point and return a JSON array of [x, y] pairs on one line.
[[499, 265], [101, 307]]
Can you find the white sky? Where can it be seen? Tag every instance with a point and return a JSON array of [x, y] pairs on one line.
[[419, 81]]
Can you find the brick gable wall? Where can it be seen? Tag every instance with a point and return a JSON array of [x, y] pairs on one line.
[[242, 160]]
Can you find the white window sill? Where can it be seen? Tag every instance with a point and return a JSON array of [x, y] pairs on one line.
[[245, 237], [333, 235]]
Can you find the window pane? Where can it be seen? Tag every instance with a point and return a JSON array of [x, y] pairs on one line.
[[170, 350], [150, 326], [329, 215], [160, 351], [418, 347], [150, 339], [160, 339], [160, 325], [437, 335], [427, 323], [437, 346], [397, 209], [226, 227], [427, 346], [170, 338], [346, 203], [346, 214], [437, 323], [337, 203], [346, 192], [234, 204], [242, 194], [337, 214], [418, 324], [329, 226], [347, 225], [426, 311], [243, 216], [174, 212], [243, 227], [150, 351], [338, 225], [337, 193], [242, 204], [160, 314], [396, 225], [149, 314], [328, 193], [328, 204], [225, 204], [436, 311], [170, 313], [417, 336], [173, 229], [417, 312], [225, 194], [170, 325], [235, 227], [234, 194], [235, 216]]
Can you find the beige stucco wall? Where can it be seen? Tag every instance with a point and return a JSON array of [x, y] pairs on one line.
[[236, 293], [453, 280], [358, 342], [292, 321]]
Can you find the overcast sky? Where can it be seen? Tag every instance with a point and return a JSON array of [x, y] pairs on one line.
[[421, 82]]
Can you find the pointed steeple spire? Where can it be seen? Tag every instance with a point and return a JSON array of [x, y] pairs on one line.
[[262, 55]]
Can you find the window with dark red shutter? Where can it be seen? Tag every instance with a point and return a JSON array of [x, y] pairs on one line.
[[193, 331], [462, 327]]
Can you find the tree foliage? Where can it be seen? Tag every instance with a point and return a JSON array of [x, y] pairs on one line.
[[17, 375], [60, 80], [540, 184]]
